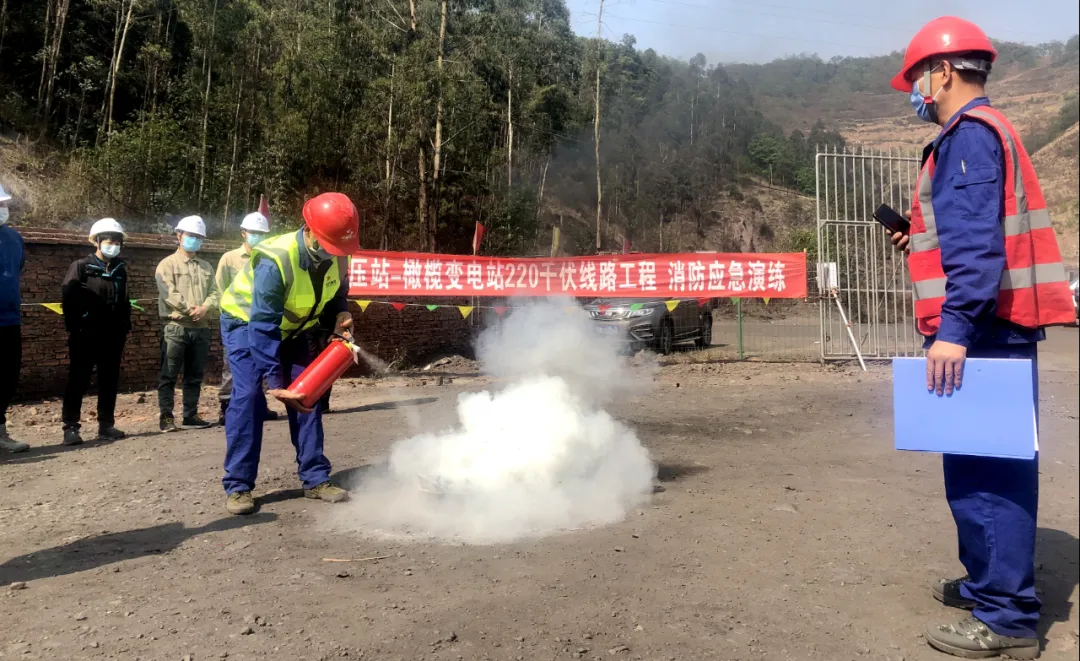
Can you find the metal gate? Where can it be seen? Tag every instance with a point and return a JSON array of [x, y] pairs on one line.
[[857, 267]]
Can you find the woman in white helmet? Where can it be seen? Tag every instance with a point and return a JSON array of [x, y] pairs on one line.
[[97, 315]]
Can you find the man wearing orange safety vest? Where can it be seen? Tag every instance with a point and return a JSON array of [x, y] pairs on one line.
[[988, 278]]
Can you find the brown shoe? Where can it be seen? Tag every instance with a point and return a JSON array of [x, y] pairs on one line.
[[971, 639], [240, 502], [327, 492]]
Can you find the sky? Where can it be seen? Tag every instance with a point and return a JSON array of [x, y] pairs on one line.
[[759, 31]]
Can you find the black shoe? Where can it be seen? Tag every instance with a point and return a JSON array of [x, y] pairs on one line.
[[221, 417], [72, 437], [110, 433], [195, 423], [270, 415], [167, 424], [948, 593]]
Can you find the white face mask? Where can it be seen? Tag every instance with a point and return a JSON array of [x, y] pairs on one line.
[[4, 212], [110, 250]]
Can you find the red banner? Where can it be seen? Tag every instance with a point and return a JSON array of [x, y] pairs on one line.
[[694, 275]]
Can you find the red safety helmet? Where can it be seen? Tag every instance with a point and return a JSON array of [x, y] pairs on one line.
[[947, 35], [333, 219]]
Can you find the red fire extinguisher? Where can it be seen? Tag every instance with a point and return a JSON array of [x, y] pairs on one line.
[[327, 367]]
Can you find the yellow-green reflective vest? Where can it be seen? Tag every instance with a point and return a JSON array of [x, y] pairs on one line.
[[284, 250]]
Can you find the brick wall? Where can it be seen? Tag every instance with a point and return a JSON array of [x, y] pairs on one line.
[[412, 334]]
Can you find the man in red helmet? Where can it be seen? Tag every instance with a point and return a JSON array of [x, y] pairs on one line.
[[270, 316], [988, 278]]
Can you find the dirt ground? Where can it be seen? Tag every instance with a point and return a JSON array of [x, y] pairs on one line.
[[787, 528]]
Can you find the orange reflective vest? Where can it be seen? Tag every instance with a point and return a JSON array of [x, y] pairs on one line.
[[1034, 290]]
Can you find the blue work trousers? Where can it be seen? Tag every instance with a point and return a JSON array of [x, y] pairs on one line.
[[247, 406], [995, 504]]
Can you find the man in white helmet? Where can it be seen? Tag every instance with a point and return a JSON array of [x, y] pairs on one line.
[[187, 294], [253, 229], [12, 257], [97, 315]]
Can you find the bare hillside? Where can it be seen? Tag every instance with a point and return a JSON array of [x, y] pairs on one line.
[[1031, 99], [1059, 173]]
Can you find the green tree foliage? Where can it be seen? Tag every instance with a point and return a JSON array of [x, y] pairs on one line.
[[160, 108]]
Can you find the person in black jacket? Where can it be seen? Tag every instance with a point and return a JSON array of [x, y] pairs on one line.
[[97, 314]]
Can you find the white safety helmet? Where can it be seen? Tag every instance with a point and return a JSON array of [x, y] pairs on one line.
[[255, 222], [106, 226], [192, 225], [4, 195]]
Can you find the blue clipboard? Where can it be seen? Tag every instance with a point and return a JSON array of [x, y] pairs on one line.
[[991, 415]]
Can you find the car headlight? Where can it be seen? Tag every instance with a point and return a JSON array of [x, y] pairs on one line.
[[643, 312]]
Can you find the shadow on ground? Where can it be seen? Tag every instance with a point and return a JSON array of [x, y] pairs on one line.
[[348, 478], [667, 471], [41, 452], [1057, 573], [101, 550], [387, 406]]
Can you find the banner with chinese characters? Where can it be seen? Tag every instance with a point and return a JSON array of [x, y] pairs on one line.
[[698, 275]]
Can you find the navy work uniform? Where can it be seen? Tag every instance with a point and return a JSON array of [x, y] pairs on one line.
[[269, 319]]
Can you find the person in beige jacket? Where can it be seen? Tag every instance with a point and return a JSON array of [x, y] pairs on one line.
[[253, 229], [187, 294]]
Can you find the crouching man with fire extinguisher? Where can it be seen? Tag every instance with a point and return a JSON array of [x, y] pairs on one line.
[[269, 322]]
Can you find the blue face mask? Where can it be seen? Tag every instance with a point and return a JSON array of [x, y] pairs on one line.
[[254, 239], [925, 108], [191, 243]]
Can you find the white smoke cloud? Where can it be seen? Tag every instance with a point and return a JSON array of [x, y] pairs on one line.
[[535, 457]]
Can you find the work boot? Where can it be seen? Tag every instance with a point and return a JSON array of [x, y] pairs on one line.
[[9, 444], [948, 592], [327, 492], [167, 424], [195, 423], [971, 639], [221, 417], [110, 433], [240, 502], [270, 415], [72, 436]]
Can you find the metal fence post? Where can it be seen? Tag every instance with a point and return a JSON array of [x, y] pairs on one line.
[[738, 317]]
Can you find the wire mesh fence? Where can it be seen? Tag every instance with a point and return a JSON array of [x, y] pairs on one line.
[[860, 275]]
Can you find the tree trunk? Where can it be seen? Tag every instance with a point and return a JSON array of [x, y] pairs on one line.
[[543, 181], [117, 59], [510, 131], [596, 129], [45, 55], [422, 201], [206, 105], [3, 24], [235, 150], [433, 222], [693, 101], [58, 38], [389, 174], [390, 129], [109, 75], [51, 61]]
